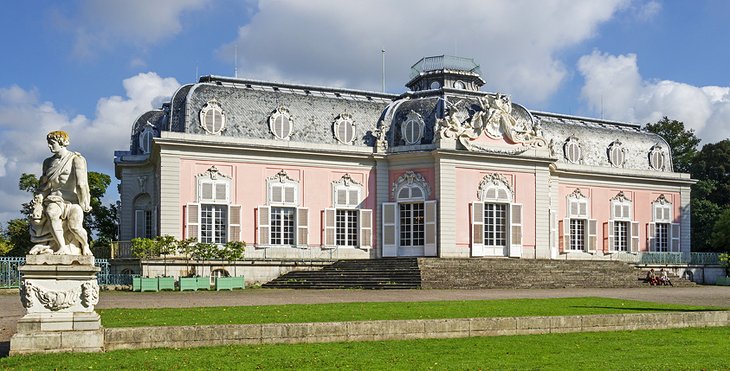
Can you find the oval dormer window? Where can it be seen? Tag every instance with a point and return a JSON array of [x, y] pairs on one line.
[[435, 85], [280, 123], [145, 140], [616, 154], [344, 129], [212, 117], [412, 128], [657, 158], [573, 152]]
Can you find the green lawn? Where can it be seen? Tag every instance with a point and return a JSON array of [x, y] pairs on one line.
[[676, 349], [121, 317]]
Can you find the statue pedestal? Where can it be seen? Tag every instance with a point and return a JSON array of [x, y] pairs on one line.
[[59, 293]]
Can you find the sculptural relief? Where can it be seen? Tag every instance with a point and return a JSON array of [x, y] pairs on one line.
[[62, 199], [495, 119]]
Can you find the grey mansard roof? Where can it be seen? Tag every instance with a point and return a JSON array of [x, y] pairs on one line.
[[248, 104]]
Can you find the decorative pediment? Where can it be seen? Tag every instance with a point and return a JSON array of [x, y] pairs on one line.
[[281, 177], [495, 187], [346, 181], [662, 200], [213, 174], [410, 179], [620, 197], [577, 194]]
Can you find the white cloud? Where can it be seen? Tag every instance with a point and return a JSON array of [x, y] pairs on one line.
[[339, 42], [648, 10], [25, 120], [614, 86], [102, 24]]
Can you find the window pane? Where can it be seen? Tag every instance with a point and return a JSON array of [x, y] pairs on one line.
[[282, 225], [495, 225]]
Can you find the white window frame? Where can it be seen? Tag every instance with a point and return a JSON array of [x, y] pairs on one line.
[[616, 154], [495, 189], [145, 139], [573, 144], [282, 192], [213, 188], [347, 197], [578, 211], [622, 211], [283, 113], [662, 214], [344, 119], [418, 126]]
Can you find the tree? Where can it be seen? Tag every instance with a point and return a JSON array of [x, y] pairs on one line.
[[232, 251], [144, 248], [17, 237], [712, 163], [720, 238], [683, 143], [165, 245]]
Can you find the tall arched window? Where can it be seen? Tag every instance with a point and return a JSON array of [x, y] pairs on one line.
[[662, 233], [409, 224], [144, 216], [496, 221]]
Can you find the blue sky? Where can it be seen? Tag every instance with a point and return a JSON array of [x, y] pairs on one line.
[[90, 67]]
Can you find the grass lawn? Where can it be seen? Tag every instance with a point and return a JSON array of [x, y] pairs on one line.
[[675, 349], [123, 317]]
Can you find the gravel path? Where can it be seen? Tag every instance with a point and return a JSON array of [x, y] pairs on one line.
[[11, 309]]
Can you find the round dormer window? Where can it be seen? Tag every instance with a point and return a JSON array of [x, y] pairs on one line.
[[459, 85], [344, 129], [412, 129], [280, 123], [212, 117], [435, 85]]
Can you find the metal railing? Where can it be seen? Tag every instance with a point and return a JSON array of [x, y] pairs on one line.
[[10, 274], [121, 250], [693, 258]]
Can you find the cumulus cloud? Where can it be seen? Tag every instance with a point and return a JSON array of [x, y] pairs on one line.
[[614, 86], [102, 24], [25, 119], [339, 42]]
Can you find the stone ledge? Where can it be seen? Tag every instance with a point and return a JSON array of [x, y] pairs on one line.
[[318, 332]]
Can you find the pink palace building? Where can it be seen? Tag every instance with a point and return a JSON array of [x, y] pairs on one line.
[[442, 170]]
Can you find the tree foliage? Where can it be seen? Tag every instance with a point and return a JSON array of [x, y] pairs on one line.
[[683, 143], [712, 164]]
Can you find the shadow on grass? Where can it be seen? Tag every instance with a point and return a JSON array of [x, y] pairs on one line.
[[651, 309]]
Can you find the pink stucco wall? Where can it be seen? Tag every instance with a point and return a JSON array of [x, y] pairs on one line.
[[467, 187], [600, 209], [249, 190]]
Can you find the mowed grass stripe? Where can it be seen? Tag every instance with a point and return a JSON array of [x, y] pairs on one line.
[[365, 311], [674, 349]]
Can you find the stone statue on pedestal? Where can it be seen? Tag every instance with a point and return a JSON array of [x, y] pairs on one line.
[[56, 220]]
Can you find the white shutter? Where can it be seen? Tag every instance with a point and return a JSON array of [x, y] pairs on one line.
[[206, 192], [477, 229], [290, 195], [626, 211], [583, 208], [329, 228], [354, 198], [650, 235], [515, 249], [302, 227], [634, 237], [221, 192], [192, 223], [390, 232], [609, 236], [573, 207], [276, 195], [264, 225], [592, 238], [430, 246], [139, 223], [341, 197], [565, 235], [675, 237], [366, 228], [234, 223]]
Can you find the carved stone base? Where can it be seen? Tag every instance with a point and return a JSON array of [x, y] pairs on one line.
[[59, 293]]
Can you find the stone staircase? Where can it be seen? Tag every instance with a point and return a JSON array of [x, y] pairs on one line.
[[467, 273], [388, 273], [524, 274]]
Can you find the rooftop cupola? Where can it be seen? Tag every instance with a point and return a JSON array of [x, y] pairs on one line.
[[445, 71]]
